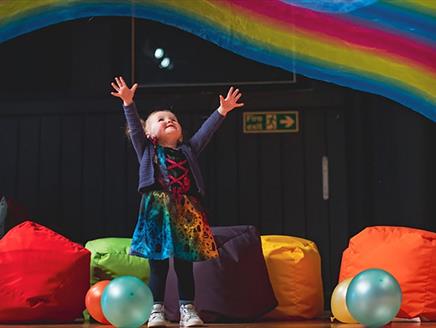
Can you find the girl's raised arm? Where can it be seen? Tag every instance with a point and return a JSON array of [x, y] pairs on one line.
[[202, 137], [136, 130]]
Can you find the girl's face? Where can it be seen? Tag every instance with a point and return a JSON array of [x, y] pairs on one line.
[[164, 126]]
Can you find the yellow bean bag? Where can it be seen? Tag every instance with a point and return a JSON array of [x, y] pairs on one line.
[[294, 268]]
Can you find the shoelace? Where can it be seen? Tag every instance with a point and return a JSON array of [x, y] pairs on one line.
[[156, 313], [190, 313]]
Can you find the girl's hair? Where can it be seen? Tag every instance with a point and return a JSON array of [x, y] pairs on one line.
[[127, 130], [144, 122]]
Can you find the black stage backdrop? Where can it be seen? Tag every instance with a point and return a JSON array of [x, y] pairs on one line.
[[65, 162]]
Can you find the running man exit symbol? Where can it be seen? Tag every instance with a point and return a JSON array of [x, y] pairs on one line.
[[270, 122]]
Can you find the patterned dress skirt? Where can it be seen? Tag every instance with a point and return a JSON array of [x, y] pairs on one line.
[[172, 225]]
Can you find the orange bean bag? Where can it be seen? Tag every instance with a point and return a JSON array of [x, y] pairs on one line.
[[44, 276], [294, 268], [408, 254]]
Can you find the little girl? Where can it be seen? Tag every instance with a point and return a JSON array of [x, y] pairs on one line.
[[171, 220]]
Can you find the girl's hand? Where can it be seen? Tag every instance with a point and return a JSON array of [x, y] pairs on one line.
[[230, 102], [123, 91]]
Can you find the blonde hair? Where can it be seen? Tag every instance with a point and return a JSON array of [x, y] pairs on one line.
[[127, 130], [145, 123], [147, 120]]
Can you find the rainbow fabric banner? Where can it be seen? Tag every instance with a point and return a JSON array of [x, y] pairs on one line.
[[386, 47]]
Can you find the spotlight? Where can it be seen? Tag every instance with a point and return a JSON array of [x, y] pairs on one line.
[[158, 53], [165, 63]]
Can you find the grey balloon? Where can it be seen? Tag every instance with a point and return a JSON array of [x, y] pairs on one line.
[[374, 297]]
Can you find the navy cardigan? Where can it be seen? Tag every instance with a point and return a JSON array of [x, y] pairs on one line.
[[191, 149]]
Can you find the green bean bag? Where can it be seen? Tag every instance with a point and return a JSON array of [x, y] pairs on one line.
[[110, 259]]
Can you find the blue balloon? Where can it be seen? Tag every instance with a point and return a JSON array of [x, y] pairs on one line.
[[126, 302], [374, 297]]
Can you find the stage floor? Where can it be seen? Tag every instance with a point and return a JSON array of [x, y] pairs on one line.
[[292, 324]]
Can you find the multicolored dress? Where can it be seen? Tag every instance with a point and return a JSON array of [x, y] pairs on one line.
[[171, 220]]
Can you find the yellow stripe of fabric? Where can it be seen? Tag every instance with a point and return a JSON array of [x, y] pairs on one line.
[[12, 10]]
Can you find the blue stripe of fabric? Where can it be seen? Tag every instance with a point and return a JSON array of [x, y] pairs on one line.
[[399, 20], [330, 6]]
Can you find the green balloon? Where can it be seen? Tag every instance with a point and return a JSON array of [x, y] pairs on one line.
[[126, 302], [374, 297]]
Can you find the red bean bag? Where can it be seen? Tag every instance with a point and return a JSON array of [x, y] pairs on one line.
[[408, 254], [44, 276]]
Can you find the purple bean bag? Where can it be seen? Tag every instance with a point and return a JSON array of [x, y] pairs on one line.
[[233, 287]]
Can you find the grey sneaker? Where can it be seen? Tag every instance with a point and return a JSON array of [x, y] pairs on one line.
[[157, 316], [189, 317]]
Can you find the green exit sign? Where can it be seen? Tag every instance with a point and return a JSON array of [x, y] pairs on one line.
[[270, 122]]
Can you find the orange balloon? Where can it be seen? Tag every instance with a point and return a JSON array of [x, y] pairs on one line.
[[92, 301]]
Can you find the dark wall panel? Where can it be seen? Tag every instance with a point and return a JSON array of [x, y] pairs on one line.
[[94, 176], [71, 176], [114, 192], [226, 174], [28, 161], [270, 184], [49, 192], [9, 139], [249, 180], [293, 179]]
